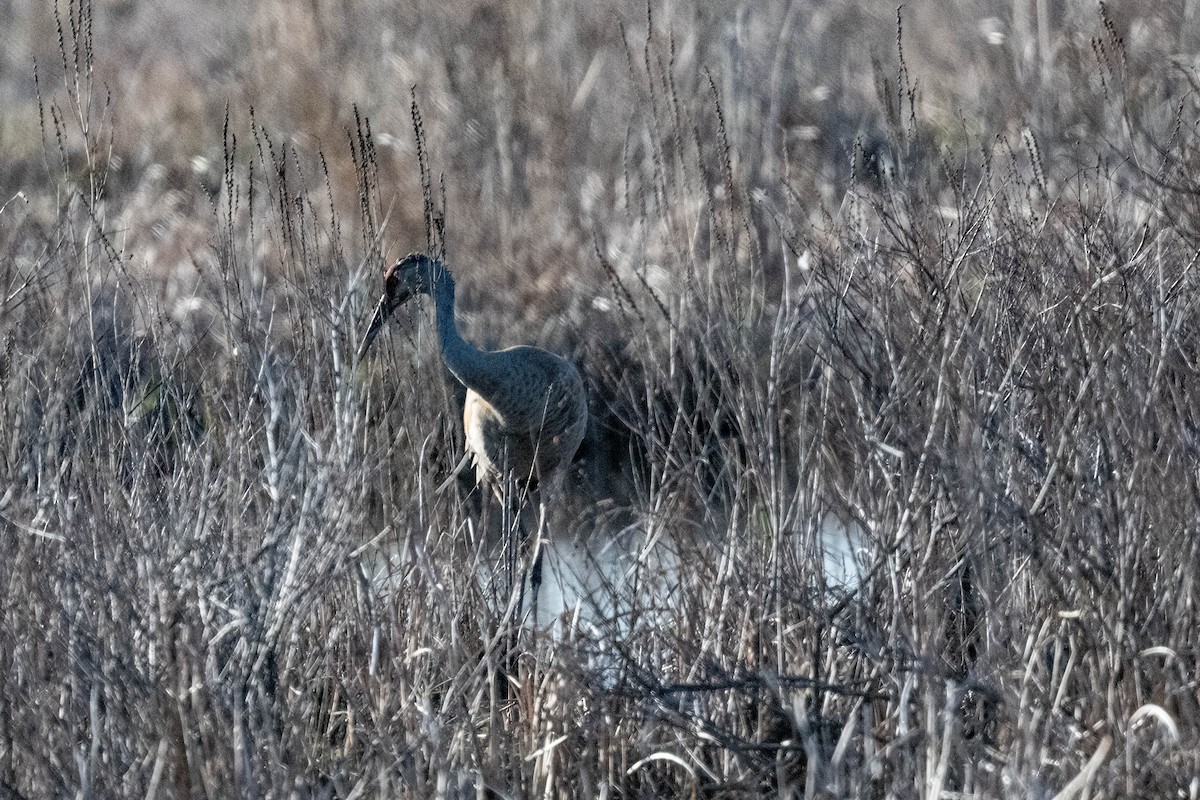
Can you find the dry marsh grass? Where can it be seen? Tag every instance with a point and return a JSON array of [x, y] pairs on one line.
[[932, 284]]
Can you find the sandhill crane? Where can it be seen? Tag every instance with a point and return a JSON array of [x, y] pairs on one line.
[[525, 410]]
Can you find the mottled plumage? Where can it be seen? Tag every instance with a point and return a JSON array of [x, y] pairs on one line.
[[533, 425], [526, 409]]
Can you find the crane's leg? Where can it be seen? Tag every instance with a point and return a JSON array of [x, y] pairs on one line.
[[528, 555], [524, 549], [535, 567], [515, 546], [510, 530]]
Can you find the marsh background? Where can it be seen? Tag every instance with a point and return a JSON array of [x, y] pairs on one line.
[[925, 277]]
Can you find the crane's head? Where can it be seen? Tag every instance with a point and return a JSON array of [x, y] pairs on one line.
[[414, 274]]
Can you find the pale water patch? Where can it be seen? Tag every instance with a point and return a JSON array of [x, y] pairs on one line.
[[591, 585], [586, 584], [845, 553]]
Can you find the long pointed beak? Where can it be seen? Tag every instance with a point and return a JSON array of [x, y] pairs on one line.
[[382, 312]]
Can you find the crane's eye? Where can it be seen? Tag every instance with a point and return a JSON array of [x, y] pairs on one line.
[[391, 281]]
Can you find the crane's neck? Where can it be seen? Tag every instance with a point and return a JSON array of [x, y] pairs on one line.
[[468, 363]]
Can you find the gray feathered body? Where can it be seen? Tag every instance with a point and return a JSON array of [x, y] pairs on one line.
[[532, 422], [526, 408]]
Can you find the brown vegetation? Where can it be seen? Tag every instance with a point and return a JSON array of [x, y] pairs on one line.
[[936, 284]]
